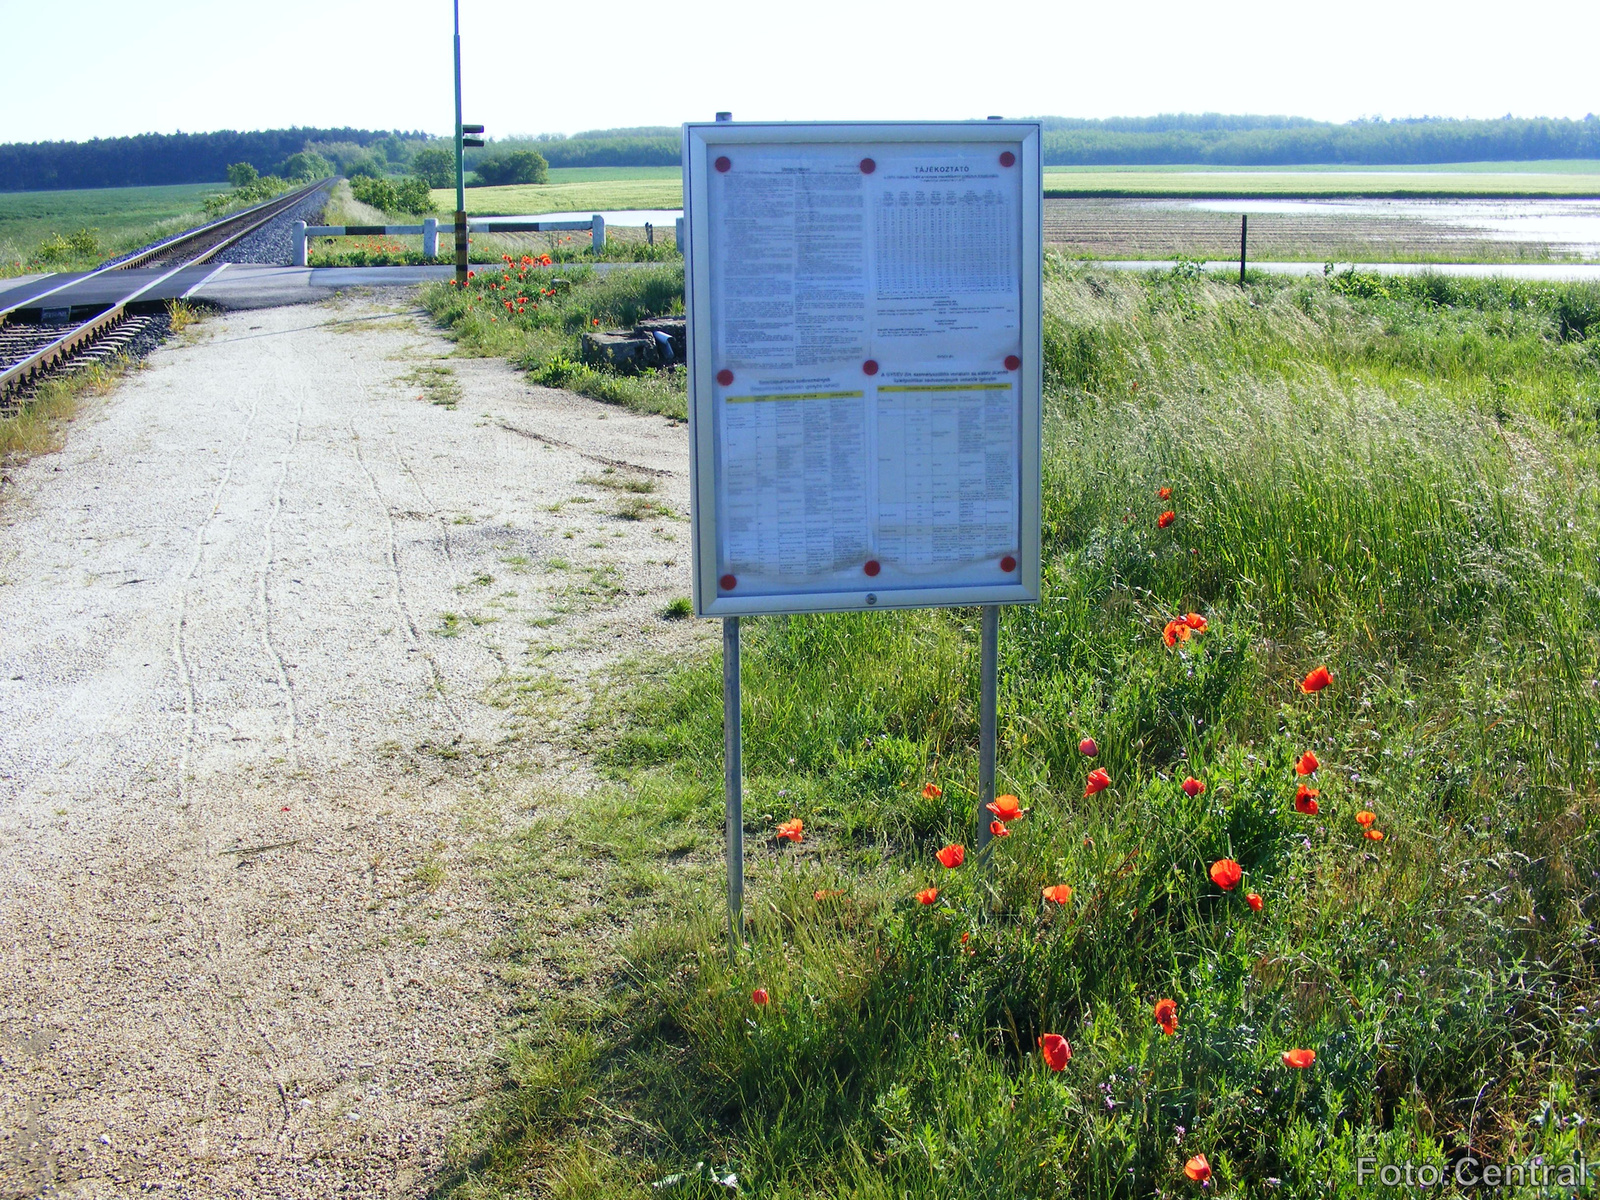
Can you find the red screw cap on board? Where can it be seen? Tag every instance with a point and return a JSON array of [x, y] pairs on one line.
[[1012, 362], [724, 377], [722, 164], [872, 566], [868, 166], [1007, 159], [870, 367], [1008, 564], [727, 583]]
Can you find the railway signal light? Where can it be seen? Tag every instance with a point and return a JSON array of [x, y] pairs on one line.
[[471, 141]]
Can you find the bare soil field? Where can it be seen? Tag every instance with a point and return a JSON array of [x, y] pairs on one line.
[[290, 625], [1157, 229]]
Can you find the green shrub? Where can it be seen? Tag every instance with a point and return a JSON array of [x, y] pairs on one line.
[[519, 166], [242, 174], [307, 165], [410, 195]]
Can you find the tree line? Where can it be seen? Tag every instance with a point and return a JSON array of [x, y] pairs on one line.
[[1202, 138]]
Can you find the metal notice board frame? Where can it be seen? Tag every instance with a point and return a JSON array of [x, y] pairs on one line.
[[718, 226]]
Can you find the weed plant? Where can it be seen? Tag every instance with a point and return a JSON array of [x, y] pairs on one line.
[[536, 318], [1393, 478]]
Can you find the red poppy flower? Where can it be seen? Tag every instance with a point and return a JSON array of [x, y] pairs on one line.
[[1373, 835], [931, 791], [1059, 893], [1307, 765], [1054, 1050], [595, 321], [1316, 681], [1176, 631], [1192, 787], [759, 996], [792, 830], [1167, 1016], [1087, 748], [1098, 781], [1198, 1169], [998, 829], [1365, 818], [965, 938], [1299, 1059], [1005, 807], [826, 893], [1165, 519], [953, 855], [927, 895], [1226, 873], [1164, 493], [1305, 800], [1253, 899], [1195, 622]]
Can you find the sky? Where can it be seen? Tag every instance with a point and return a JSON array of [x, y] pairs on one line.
[[530, 68]]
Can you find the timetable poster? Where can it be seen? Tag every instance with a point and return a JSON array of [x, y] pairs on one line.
[[866, 312]]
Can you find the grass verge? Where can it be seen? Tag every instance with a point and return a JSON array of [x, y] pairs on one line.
[[37, 426], [536, 318], [1395, 478]]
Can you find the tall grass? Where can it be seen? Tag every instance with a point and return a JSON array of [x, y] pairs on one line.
[[1398, 481]]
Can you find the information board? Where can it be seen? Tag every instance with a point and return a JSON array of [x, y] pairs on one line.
[[864, 359]]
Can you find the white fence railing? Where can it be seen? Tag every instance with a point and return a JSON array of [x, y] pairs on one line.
[[429, 229]]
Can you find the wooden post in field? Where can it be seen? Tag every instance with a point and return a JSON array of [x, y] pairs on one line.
[[1244, 226]]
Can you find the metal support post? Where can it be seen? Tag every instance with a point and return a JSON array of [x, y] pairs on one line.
[[988, 705], [461, 245], [733, 781], [1244, 226], [298, 237], [598, 224], [430, 237]]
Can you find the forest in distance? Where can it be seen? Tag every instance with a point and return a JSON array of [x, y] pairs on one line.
[[1205, 139]]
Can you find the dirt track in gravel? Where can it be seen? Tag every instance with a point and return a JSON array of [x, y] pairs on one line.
[[274, 631]]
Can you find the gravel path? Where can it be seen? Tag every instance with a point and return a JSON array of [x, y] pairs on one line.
[[269, 628]]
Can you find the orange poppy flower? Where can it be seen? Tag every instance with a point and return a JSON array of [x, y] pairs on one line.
[[1226, 873], [1098, 781], [1167, 1016], [792, 830], [1054, 1050], [998, 829], [931, 791], [1165, 519], [953, 855], [1253, 899], [595, 321], [1299, 1059], [1305, 800], [1198, 1169], [1005, 807], [1316, 681], [1374, 835], [1192, 787], [1307, 765], [965, 938], [1195, 622], [1088, 748], [827, 893], [927, 895], [759, 996], [1164, 493], [1365, 818], [1060, 893]]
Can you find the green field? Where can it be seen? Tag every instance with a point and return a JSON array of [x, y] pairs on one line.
[[1396, 479], [584, 189], [1570, 177], [122, 218]]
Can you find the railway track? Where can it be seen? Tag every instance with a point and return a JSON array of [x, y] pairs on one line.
[[59, 336]]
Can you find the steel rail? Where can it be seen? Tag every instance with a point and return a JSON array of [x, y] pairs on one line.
[[276, 205], [86, 331]]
